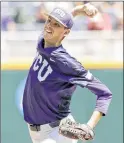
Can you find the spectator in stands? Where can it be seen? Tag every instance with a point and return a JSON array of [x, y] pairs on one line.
[[7, 23], [118, 8], [101, 21], [15, 15], [108, 9], [40, 16]]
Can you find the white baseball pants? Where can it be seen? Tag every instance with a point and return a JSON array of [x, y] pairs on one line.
[[47, 134]]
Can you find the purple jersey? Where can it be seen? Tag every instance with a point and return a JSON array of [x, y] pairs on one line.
[[51, 81]]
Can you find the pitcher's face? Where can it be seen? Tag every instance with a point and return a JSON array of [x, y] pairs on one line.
[[53, 30]]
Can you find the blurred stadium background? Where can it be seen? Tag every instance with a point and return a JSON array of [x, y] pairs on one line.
[[97, 43]]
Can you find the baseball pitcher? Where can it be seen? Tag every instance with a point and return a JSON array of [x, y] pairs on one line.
[[52, 79]]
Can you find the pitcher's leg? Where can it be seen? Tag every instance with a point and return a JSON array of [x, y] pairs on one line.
[[49, 140], [59, 138], [47, 134], [40, 136]]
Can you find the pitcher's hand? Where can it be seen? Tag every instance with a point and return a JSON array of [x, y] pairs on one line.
[[86, 9]]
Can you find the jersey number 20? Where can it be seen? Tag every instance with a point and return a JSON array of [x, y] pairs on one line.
[[39, 65]]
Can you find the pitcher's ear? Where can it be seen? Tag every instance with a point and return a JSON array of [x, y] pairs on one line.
[[67, 32]]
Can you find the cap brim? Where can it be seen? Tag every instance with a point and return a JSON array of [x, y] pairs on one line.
[[55, 19]]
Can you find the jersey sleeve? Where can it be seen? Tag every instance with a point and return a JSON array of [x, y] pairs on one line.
[[77, 74]]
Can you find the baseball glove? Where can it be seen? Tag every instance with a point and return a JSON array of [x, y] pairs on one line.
[[75, 130]]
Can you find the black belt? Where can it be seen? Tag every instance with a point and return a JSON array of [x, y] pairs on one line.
[[35, 127]]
